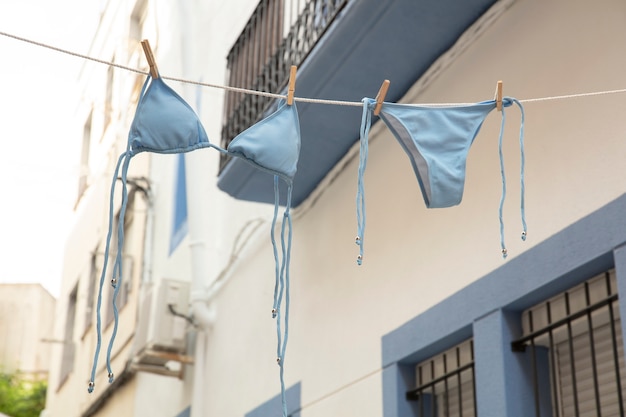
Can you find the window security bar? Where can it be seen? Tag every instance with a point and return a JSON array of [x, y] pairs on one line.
[[520, 344], [582, 351], [446, 387]]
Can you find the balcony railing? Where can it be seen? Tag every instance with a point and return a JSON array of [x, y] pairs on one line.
[[262, 55]]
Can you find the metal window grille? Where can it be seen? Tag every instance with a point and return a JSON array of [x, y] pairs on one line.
[[445, 384], [261, 57], [579, 334]]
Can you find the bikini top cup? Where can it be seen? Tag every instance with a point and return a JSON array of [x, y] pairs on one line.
[[273, 144], [165, 123]]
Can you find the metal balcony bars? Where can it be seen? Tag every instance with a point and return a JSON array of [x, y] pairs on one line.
[[261, 57]]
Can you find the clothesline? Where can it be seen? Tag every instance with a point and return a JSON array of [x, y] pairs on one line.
[[280, 96]]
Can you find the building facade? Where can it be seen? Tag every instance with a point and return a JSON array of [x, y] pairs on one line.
[[26, 318], [434, 321], [108, 98]]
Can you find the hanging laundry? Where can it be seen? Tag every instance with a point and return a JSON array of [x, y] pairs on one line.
[[273, 145], [437, 141], [164, 123]]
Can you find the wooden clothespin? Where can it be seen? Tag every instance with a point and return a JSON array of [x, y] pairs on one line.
[[498, 96], [154, 71], [380, 97], [292, 85]]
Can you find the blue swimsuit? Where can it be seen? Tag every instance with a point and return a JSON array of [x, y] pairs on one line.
[[437, 141], [164, 123], [273, 145]]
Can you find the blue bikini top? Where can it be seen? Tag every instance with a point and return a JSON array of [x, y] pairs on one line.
[[164, 123], [273, 144]]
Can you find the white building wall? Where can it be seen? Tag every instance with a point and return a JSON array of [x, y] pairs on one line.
[[196, 49], [67, 388], [414, 257], [26, 317]]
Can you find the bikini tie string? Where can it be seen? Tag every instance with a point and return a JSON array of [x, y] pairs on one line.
[[281, 286], [274, 247], [366, 122], [508, 101], [125, 156], [286, 248], [117, 278]]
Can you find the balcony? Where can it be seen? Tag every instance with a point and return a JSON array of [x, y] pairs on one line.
[[343, 50]]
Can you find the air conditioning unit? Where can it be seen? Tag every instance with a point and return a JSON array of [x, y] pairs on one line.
[[161, 337]]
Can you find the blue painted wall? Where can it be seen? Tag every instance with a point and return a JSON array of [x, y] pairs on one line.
[[273, 407], [488, 310], [185, 413], [370, 40]]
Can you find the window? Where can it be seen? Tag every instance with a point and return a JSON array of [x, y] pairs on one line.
[[67, 360], [557, 303], [135, 35], [126, 279], [110, 262], [180, 226], [577, 334], [137, 18], [127, 258], [324, 10], [84, 157], [261, 57], [91, 286], [108, 96], [445, 384], [249, 66], [256, 44]]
